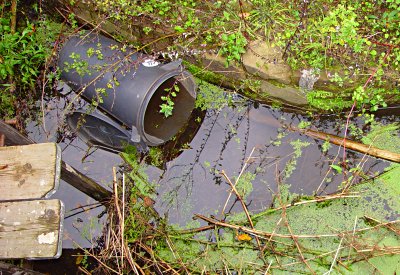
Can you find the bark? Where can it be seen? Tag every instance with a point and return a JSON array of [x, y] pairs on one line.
[[352, 145]]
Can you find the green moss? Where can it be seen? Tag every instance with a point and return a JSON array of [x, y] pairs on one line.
[[210, 96], [156, 156], [204, 74], [328, 101]]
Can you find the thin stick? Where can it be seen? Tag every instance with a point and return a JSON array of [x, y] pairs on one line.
[[133, 264], [243, 205], [284, 216], [318, 199], [13, 24], [269, 266], [96, 258], [236, 181], [335, 258], [115, 185], [284, 236], [352, 236], [387, 225], [258, 232], [196, 230]]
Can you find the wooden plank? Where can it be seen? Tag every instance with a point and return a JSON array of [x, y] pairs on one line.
[[30, 171], [31, 229], [68, 173]]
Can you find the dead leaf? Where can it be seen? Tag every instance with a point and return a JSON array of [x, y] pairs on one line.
[[148, 202], [243, 237], [79, 259]]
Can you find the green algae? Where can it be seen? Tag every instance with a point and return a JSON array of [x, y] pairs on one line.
[[377, 199], [384, 137], [346, 226]]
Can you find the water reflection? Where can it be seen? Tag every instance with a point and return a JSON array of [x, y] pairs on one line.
[[192, 183]]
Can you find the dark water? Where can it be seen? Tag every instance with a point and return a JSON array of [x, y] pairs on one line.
[[192, 182]]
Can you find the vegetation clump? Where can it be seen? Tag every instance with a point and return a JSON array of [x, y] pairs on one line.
[[25, 50], [346, 42]]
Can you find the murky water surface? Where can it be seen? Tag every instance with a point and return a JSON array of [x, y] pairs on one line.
[[247, 138]]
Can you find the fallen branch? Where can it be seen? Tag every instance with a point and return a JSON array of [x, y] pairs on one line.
[[255, 232], [352, 145], [264, 234]]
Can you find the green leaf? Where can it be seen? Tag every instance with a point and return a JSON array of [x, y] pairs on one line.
[[179, 29], [337, 168]]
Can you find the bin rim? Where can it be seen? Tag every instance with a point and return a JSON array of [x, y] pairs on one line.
[[150, 140]]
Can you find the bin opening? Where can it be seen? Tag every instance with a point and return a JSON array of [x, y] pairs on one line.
[[159, 129]]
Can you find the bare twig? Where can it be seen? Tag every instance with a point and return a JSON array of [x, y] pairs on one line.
[[335, 258], [13, 24], [236, 181], [284, 217], [261, 234], [243, 205], [318, 199]]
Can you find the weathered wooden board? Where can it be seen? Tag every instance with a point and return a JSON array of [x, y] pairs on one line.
[[68, 173], [31, 229], [30, 171]]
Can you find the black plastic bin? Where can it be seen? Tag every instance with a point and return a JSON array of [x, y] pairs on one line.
[[133, 83]]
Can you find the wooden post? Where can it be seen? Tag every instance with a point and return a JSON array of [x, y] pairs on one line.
[[68, 173]]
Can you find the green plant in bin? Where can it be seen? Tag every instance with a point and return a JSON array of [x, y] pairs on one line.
[[167, 106]]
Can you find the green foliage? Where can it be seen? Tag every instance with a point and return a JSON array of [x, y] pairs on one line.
[[167, 107], [20, 53], [138, 173], [304, 124], [337, 168], [266, 15], [372, 97], [79, 65], [233, 46], [156, 156], [22, 56], [326, 146], [207, 24], [346, 37], [298, 147]]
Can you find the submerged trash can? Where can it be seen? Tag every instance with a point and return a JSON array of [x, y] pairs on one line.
[[129, 86]]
